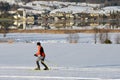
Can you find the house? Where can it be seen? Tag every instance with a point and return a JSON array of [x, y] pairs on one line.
[[58, 15], [20, 14], [62, 24], [69, 16]]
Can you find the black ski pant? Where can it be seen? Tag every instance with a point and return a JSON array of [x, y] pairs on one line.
[[42, 62]]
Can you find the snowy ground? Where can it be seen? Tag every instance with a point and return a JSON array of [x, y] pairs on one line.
[[80, 61]]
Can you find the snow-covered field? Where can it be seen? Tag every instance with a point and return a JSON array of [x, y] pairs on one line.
[[67, 61]]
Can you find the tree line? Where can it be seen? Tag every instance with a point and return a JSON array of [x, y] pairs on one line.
[[4, 7]]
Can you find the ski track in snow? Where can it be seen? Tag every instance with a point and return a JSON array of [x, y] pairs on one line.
[[62, 68], [58, 73], [49, 77]]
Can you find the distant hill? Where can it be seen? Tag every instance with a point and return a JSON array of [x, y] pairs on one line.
[[106, 2]]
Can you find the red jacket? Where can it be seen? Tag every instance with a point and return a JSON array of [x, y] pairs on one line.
[[40, 51]]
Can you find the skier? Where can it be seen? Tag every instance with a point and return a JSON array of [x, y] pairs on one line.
[[40, 57]]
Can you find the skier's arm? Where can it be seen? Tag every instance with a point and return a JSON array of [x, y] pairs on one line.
[[38, 52]]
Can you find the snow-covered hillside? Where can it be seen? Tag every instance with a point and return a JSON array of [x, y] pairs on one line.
[[111, 9], [55, 6], [73, 9]]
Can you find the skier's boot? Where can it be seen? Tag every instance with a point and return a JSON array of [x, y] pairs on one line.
[[37, 69], [46, 68]]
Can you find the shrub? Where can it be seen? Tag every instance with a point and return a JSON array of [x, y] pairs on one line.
[[107, 41]]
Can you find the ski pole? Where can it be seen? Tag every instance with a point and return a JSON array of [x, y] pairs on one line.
[[54, 64]]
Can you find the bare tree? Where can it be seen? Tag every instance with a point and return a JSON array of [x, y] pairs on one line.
[[96, 31], [73, 38], [117, 39], [104, 37]]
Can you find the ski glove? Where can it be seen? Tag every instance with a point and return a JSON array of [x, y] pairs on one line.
[[35, 55]]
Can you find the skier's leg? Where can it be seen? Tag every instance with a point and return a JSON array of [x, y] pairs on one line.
[[38, 66], [46, 67], [37, 62], [43, 63]]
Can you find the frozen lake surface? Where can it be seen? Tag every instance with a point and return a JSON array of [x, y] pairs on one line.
[[80, 61]]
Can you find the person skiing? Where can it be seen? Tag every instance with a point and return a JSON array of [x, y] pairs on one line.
[[40, 57]]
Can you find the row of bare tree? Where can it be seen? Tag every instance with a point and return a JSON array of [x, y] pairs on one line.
[[102, 37]]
